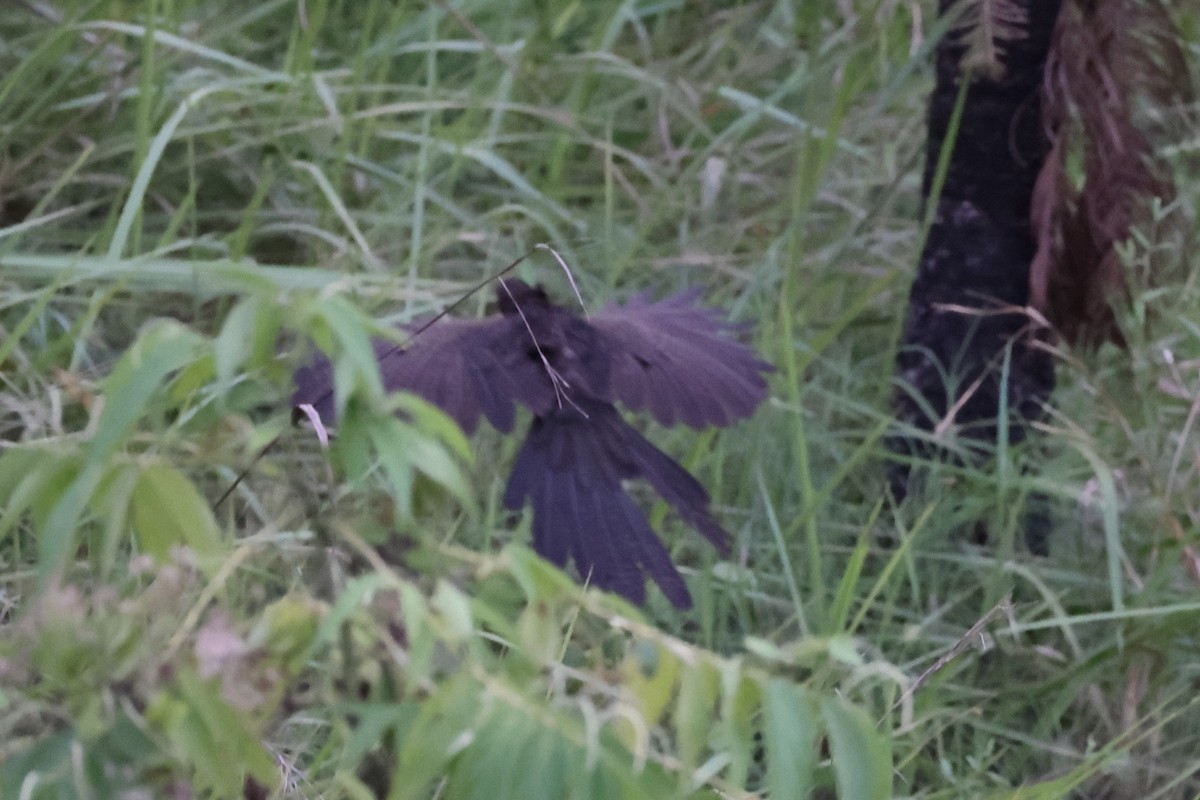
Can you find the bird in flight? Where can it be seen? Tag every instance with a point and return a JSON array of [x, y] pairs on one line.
[[672, 358]]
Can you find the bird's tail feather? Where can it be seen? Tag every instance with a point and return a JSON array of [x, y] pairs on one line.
[[571, 469]]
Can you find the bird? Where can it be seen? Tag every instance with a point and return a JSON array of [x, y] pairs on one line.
[[673, 358]]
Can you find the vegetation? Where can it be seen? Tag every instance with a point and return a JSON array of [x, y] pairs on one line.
[[193, 194]]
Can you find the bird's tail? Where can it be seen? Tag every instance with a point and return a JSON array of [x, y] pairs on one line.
[[571, 468]]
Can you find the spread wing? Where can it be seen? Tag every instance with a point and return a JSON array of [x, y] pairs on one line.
[[677, 360], [571, 469], [468, 368]]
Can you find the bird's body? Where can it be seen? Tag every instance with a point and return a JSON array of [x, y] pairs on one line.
[[671, 358]]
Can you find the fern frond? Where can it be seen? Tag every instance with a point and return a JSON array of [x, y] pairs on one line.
[[984, 28]]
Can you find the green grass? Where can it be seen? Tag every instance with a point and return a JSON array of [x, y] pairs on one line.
[[190, 192]]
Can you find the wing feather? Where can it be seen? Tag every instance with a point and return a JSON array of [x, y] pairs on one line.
[[677, 360], [467, 368], [571, 469]]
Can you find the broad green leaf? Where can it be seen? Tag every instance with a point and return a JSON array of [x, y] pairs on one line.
[[540, 633], [56, 536], [16, 465], [420, 636], [287, 629], [740, 702], [548, 762], [352, 447], [168, 510], [844, 649], [372, 721], [862, 756], [444, 726], [233, 344], [492, 765], [790, 734], [398, 466], [438, 423], [49, 758], [113, 499], [127, 740], [455, 610], [433, 460], [539, 579], [355, 366], [33, 479], [651, 672], [248, 337], [354, 597], [191, 379], [695, 711], [221, 741], [140, 374], [404, 449], [617, 776]]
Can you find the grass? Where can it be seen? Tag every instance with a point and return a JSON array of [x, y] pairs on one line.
[[190, 189]]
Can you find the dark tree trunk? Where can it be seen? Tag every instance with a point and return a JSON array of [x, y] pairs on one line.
[[964, 310]]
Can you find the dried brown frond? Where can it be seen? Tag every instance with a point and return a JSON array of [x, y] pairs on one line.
[[1115, 70], [983, 28]]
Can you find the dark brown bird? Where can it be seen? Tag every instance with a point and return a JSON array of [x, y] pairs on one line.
[[672, 358]]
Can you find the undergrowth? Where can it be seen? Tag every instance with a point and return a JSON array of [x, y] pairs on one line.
[[194, 195]]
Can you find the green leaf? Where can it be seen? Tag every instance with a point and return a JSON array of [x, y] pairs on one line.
[[248, 337], [651, 671], [398, 467], [356, 367], [140, 374], [114, 498], [844, 649], [354, 597], [49, 758], [539, 633], [232, 346], [741, 701], [191, 379], [434, 462], [455, 609], [498, 755], [444, 725], [840, 612], [169, 510], [403, 449], [221, 742], [161, 350], [352, 447], [372, 721], [288, 629], [33, 479], [431, 419], [694, 712], [790, 735], [862, 757], [539, 579], [548, 763], [16, 465], [56, 536], [421, 638]]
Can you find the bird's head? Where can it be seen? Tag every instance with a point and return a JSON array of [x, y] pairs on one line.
[[514, 293]]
